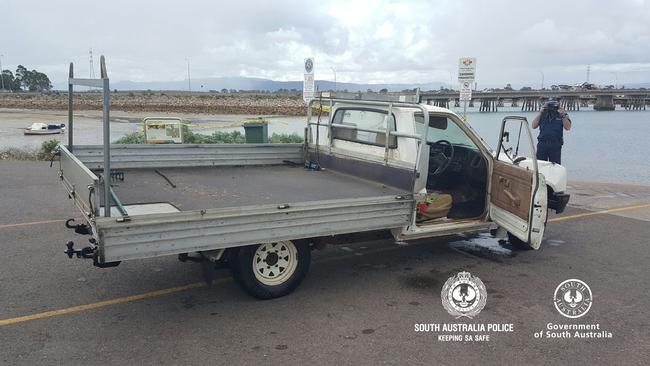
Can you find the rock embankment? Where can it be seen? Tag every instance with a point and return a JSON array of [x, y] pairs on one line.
[[212, 103]]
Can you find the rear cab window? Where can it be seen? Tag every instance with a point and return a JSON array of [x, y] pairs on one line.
[[360, 120]]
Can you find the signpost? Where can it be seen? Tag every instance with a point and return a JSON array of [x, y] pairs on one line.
[[466, 76], [308, 82]]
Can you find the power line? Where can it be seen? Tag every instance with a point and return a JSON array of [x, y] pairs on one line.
[[189, 80], [2, 76]]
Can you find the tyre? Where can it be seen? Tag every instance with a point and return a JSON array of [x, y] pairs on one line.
[[518, 243], [271, 270]]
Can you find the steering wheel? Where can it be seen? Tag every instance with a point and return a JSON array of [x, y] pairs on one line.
[[438, 157]]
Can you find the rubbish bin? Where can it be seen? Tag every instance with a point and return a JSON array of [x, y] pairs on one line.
[[256, 132]]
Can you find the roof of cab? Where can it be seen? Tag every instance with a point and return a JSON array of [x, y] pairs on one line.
[[430, 108]]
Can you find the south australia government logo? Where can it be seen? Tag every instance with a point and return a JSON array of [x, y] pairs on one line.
[[463, 295], [572, 298]]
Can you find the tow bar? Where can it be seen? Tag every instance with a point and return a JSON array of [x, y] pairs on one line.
[[89, 252], [86, 252]]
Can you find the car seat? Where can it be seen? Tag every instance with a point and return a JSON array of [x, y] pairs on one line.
[[435, 206]]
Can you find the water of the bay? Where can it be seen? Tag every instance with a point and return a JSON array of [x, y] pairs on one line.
[[601, 146]]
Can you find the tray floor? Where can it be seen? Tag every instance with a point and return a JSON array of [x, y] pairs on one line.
[[218, 187]]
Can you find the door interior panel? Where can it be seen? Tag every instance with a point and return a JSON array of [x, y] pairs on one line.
[[511, 188]]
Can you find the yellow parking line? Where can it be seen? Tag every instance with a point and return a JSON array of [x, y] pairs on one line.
[[171, 290], [602, 212], [6, 226], [101, 304]]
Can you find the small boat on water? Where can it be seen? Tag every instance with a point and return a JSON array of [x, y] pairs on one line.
[[38, 128]]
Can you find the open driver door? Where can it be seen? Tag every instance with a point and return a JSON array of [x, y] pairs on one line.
[[517, 190]]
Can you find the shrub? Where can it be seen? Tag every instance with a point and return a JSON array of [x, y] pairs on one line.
[[234, 137], [283, 138], [44, 153], [219, 137], [131, 138], [18, 154], [47, 147]]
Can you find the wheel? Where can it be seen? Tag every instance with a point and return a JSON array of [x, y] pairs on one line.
[[518, 243], [271, 270]]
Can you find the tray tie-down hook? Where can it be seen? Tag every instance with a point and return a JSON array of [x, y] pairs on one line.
[[82, 229], [56, 152]]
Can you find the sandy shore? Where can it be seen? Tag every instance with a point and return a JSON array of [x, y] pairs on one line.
[[286, 104]]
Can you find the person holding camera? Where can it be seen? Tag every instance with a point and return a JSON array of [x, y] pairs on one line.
[[552, 120]]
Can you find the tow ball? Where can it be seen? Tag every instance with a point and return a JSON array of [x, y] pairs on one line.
[[82, 229], [86, 252]]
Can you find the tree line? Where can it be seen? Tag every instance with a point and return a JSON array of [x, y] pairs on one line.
[[25, 80]]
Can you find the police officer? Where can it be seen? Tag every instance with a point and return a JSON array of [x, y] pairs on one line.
[[552, 120]]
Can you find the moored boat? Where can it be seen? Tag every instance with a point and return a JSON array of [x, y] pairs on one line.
[[39, 128]]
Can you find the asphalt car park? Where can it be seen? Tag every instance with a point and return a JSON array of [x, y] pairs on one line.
[[358, 305]]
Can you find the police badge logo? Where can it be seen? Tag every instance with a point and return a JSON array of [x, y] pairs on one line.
[[572, 298], [463, 295]]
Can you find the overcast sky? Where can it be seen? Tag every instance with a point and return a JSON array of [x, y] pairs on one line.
[[365, 41]]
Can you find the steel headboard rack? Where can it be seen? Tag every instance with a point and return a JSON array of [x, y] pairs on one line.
[[102, 83]]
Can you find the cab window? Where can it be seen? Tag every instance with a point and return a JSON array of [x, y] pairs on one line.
[[443, 128], [359, 120]]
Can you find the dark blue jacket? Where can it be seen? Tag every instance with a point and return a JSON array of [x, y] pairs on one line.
[[551, 128]]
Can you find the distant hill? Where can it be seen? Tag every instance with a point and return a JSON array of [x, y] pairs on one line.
[[637, 85], [244, 83]]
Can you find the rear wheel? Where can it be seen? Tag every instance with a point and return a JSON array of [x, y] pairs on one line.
[[271, 270], [518, 243]]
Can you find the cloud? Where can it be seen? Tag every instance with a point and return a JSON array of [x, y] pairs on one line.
[[363, 40]]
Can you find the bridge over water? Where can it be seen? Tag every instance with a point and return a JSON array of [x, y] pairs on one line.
[[531, 100]]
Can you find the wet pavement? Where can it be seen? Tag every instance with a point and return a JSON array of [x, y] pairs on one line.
[[358, 304]]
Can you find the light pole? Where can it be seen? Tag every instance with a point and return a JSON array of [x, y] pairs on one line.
[[542, 72], [451, 80], [615, 78], [189, 80], [334, 71], [2, 74]]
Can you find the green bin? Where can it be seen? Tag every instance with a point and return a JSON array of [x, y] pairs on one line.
[[256, 132]]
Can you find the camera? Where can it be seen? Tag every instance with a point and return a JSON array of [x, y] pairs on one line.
[[552, 105]]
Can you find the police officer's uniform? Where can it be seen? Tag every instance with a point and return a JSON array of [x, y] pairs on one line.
[[551, 138]]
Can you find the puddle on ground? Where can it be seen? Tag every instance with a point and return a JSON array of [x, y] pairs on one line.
[[484, 245], [421, 282], [554, 242]]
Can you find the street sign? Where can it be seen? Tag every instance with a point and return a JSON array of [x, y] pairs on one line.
[[466, 91], [163, 131], [466, 69], [308, 82]]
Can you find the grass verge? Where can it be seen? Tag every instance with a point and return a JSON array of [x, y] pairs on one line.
[[44, 153]]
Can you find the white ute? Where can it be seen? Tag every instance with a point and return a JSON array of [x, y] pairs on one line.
[[407, 169]]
